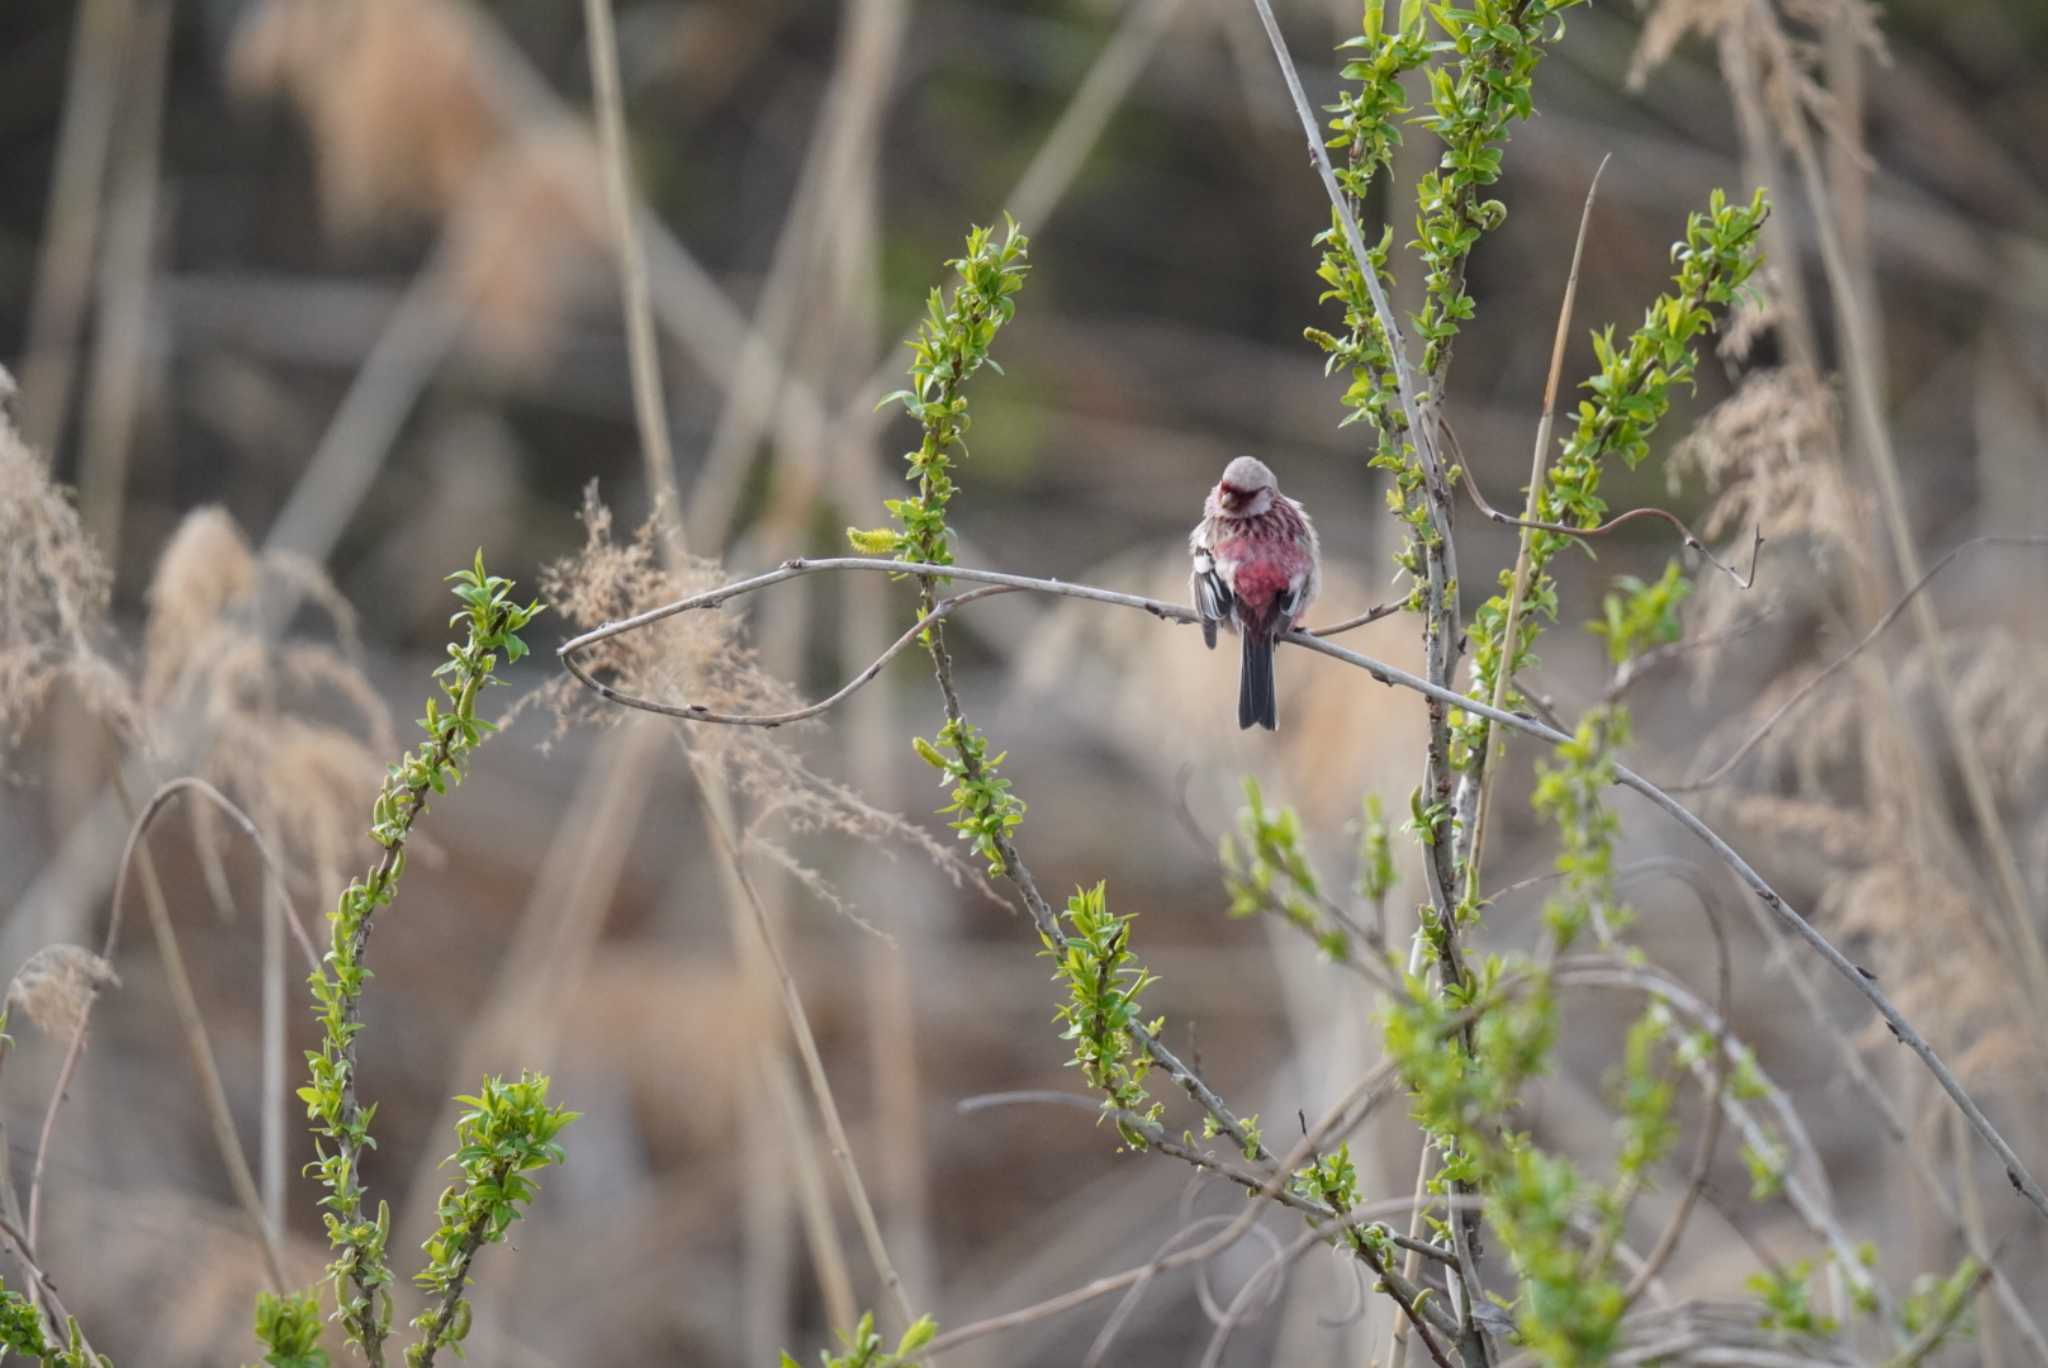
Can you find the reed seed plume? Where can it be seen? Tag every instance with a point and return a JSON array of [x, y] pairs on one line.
[[54, 590], [297, 734], [413, 119], [55, 986]]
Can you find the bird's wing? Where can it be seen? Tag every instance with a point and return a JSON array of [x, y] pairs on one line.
[[1211, 594]]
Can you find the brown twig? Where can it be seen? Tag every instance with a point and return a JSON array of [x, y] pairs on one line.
[[40, 1282], [1504, 668], [1635, 667], [1931, 1335], [1370, 615]]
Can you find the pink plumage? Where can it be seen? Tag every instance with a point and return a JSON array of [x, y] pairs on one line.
[[1256, 569]]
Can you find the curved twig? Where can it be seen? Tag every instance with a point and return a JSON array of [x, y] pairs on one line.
[[2022, 1179], [1111, 1328], [202, 1054], [1685, 534], [1806, 690], [1710, 1137], [1811, 1202], [1266, 1281], [1273, 1186], [1205, 1296]]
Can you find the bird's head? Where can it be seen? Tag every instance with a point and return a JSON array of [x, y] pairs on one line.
[[1246, 489]]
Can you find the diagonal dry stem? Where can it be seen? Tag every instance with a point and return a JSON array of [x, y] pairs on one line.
[[1523, 556]]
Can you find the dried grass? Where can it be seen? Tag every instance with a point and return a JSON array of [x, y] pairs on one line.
[[411, 121], [56, 985], [1790, 87], [54, 589], [1841, 784], [299, 736], [705, 658], [1770, 455]]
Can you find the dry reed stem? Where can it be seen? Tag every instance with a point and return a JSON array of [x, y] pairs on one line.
[[114, 396], [1523, 564], [717, 819], [842, 141], [364, 426], [1857, 335], [649, 413], [1058, 159], [821, 1232], [71, 227], [190, 1018]]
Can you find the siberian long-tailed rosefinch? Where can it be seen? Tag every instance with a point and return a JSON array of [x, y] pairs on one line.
[[1257, 566]]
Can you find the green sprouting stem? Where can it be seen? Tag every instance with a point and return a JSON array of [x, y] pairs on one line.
[[508, 1132], [360, 1271]]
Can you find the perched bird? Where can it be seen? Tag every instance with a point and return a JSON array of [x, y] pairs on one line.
[[1257, 566]]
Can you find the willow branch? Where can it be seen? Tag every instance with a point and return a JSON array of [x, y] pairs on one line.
[[1903, 1030], [1412, 397]]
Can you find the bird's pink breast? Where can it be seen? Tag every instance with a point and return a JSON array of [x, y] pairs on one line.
[[1259, 570]]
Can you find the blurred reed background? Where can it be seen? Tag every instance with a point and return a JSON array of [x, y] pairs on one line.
[[310, 298]]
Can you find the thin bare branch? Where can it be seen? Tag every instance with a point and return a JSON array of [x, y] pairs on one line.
[[1366, 618], [1271, 1186], [1936, 1330], [1635, 667], [1710, 1134], [1685, 534], [39, 1281], [1863, 372], [1834, 666]]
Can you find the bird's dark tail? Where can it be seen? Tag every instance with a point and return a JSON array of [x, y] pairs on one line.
[[1255, 681]]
